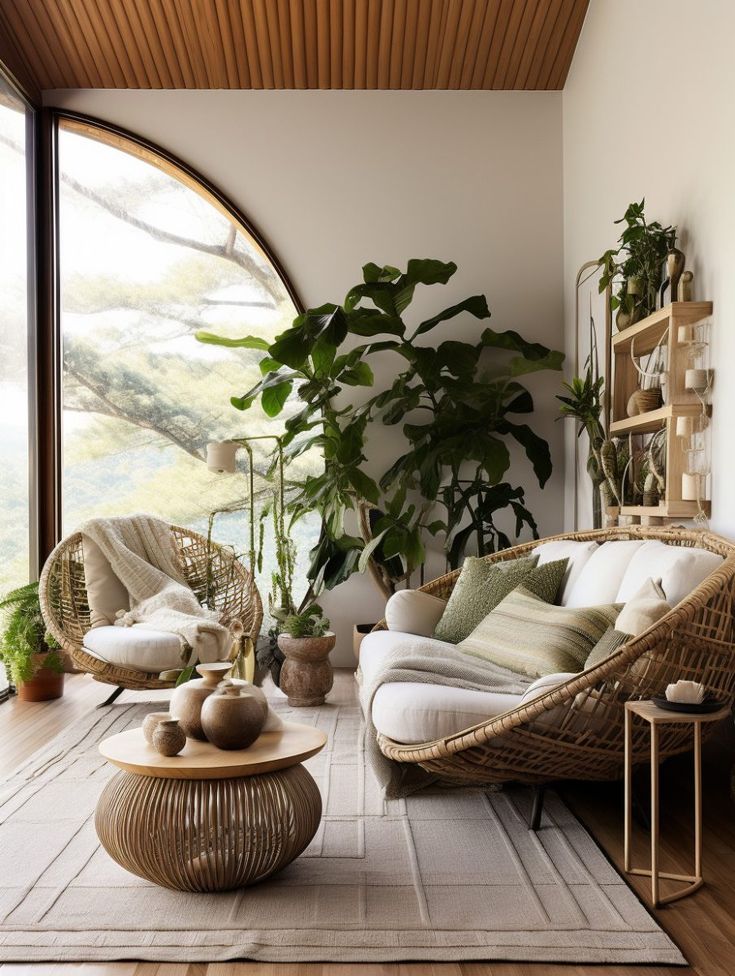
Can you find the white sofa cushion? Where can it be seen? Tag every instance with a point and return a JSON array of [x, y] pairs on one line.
[[603, 574], [680, 570], [412, 712], [577, 554], [143, 649], [413, 612], [545, 684]]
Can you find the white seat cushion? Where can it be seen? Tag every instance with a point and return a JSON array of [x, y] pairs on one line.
[[142, 649], [603, 573], [577, 554], [409, 712], [680, 570]]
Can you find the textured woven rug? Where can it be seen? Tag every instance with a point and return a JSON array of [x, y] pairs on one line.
[[444, 876]]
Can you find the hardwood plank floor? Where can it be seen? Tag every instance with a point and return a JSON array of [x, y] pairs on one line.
[[703, 925]]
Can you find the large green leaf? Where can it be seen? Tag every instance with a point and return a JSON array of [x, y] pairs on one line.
[[515, 342], [519, 366], [476, 305], [365, 487], [536, 448], [246, 342], [273, 398]]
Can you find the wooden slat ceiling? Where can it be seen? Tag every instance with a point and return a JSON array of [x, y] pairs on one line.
[[291, 44]]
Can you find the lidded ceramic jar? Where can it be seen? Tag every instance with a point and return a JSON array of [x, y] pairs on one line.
[[187, 699], [168, 737], [232, 718], [251, 689]]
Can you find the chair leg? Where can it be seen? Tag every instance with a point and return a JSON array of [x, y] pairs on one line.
[[113, 697], [538, 807]]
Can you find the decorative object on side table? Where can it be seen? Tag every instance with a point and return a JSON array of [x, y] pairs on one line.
[[232, 718], [168, 737], [656, 716], [188, 698], [30, 654], [305, 640], [150, 724], [208, 820]]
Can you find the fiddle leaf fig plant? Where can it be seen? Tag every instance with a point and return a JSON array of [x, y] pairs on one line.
[[458, 404]]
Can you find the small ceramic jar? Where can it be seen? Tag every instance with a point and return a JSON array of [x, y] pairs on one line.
[[150, 723], [168, 737], [251, 689], [232, 718], [187, 699]]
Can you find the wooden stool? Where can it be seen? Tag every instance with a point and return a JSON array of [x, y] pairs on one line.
[[656, 716]]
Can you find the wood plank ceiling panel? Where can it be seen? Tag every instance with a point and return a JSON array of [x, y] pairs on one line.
[[285, 44]]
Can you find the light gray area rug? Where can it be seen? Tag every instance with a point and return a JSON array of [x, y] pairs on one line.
[[450, 875]]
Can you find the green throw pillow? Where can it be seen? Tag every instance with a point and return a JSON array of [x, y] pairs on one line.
[[606, 645], [482, 585], [533, 637]]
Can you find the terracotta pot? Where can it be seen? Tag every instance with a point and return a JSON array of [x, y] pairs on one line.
[[359, 632], [306, 675], [169, 738], [151, 722], [232, 718], [45, 685], [187, 699]]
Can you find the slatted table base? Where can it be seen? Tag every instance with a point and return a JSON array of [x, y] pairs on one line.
[[208, 834]]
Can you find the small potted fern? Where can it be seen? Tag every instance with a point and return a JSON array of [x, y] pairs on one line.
[[305, 641], [30, 654]]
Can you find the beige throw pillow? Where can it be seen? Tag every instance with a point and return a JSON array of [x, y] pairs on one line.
[[414, 612], [643, 610], [536, 638], [105, 593]]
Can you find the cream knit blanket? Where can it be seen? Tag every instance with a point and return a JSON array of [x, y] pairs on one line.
[[427, 661], [142, 552]]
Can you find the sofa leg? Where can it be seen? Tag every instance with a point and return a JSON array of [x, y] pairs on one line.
[[538, 807], [115, 695]]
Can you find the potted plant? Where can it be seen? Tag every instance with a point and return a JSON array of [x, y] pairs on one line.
[[458, 404], [30, 654], [638, 264], [305, 641]]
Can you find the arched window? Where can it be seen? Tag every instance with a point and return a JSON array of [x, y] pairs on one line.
[[148, 256]]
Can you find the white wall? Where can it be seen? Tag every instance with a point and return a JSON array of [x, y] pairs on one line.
[[649, 110], [336, 179]]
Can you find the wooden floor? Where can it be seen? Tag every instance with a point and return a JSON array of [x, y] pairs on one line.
[[703, 926]]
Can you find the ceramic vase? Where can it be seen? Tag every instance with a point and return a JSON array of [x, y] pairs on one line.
[[168, 737], [187, 699], [150, 724], [251, 689], [306, 675], [232, 718]]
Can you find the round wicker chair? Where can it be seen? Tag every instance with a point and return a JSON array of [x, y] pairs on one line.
[[576, 730], [219, 581]]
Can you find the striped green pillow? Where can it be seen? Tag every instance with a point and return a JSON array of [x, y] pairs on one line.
[[610, 641], [482, 585], [530, 636]]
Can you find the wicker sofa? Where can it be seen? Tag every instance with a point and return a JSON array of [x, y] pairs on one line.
[[575, 731]]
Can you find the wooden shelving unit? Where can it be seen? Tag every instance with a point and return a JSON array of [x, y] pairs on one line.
[[643, 337]]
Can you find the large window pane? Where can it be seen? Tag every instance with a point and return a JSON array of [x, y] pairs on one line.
[[15, 332], [147, 258]]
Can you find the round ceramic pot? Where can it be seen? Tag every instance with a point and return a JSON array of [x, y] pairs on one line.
[[168, 737], [250, 689], [306, 675], [45, 685], [150, 724], [187, 699], [232, 718]]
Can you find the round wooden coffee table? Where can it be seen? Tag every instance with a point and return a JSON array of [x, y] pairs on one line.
[[209, 820]]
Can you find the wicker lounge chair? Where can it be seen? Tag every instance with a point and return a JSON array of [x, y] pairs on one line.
[[576, 730], [214, 574]]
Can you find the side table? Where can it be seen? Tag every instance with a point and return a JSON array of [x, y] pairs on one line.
[[208, 820], [656, 717]]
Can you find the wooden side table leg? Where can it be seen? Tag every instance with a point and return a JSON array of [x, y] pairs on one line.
[[628, 789], [654, 814], [697, 801]]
